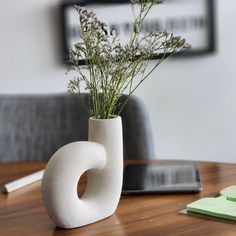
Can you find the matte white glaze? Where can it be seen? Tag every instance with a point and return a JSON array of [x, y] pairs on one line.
[[102, 155]]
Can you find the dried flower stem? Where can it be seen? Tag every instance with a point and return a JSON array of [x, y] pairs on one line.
[[113, 68]]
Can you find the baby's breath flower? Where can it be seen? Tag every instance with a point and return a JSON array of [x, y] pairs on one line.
[[147, 1], [115, 68], [73, 86]]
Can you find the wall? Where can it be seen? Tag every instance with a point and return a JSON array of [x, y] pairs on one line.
[[192, 102]]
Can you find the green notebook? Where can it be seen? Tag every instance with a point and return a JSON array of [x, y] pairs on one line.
[[222, 207]]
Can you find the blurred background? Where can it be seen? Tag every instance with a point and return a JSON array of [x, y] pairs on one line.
[[191, 100]]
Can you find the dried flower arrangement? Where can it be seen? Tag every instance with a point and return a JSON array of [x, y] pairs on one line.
[[114, 68]]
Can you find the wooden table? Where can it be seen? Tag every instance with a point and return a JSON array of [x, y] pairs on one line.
[[22, 212]]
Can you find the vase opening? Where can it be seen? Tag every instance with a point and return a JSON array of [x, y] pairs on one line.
[[110, 117]]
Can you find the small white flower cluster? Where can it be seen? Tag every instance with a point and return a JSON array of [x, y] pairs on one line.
[[114, 68], [147, 1]]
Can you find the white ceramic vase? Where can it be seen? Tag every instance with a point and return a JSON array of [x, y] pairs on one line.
[[102, 157]]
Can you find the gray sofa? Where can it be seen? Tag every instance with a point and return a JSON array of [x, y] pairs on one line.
[[33, 127]]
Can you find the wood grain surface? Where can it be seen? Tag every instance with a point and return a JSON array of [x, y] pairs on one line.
[[22, 212]]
